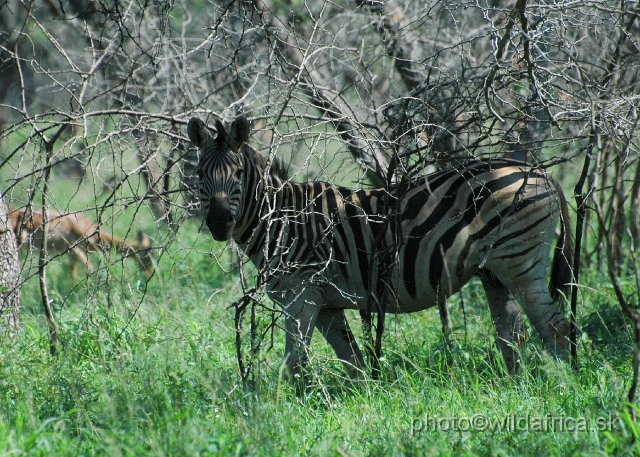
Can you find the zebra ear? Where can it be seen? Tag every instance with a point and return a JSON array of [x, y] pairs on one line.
[[239, 132], [198, 133]]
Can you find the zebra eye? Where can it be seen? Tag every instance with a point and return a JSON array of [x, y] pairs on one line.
[[239, 172]]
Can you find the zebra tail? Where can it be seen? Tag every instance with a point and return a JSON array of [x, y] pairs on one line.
[[562, 267]]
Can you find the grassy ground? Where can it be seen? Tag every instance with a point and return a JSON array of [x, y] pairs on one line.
[[153, 371]]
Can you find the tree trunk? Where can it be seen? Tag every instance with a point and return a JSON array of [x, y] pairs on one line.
[[9, 276]]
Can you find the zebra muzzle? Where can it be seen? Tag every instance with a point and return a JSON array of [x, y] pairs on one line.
[[220, 219]]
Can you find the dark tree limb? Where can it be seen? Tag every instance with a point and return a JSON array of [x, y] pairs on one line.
[[634, 210], [517, 11], [580, 198], [390, 29], [628, 311], [366, 153], [42, 260]]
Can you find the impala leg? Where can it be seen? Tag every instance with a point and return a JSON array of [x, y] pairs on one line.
[[73, 267], [77, 255], [333, 325]]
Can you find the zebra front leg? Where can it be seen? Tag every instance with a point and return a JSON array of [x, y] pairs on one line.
[[300, 316], [333, 325]]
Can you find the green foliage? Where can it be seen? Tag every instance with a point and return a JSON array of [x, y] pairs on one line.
[[153, 371]]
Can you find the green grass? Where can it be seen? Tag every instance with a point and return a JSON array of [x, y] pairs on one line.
[[153, 371]]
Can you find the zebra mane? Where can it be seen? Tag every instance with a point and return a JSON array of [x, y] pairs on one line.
[[278, 168]]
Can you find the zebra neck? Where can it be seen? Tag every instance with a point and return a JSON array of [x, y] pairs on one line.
[[263, 201]]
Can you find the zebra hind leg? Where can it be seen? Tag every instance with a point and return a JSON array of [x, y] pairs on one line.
[[546, 317], [507, 319], [543, 313], [333, 325]]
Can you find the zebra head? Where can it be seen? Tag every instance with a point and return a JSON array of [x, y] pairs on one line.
[[220, 173]]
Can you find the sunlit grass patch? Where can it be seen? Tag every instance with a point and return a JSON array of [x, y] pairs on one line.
[[151, 369]]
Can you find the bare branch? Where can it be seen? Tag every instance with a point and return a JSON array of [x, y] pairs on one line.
[[367, 153]]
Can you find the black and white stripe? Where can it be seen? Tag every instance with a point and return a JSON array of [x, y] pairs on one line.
[[327, 248]]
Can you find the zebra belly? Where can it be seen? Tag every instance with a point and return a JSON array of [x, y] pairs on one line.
[[339, 291], [430, 280]]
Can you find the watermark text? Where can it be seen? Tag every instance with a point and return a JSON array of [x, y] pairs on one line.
[[515, 423]]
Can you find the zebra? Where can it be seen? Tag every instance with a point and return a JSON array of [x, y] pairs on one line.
[[318, 243]]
